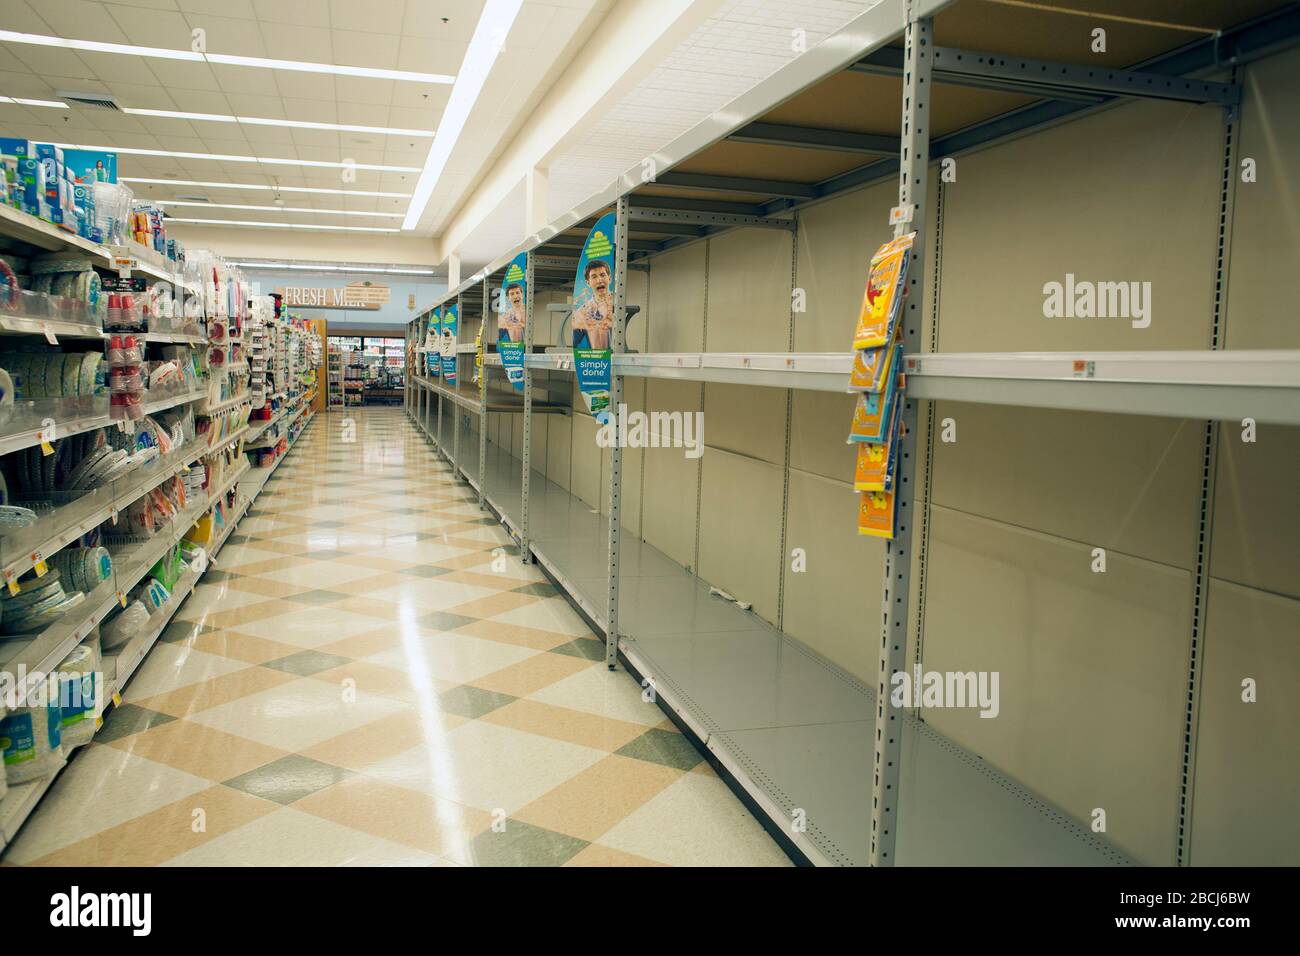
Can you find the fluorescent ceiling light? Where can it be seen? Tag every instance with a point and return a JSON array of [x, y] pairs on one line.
[[94, 46], [323, 212], [317, 267], [278, 225], [493, 26], [55, 104], [277, 189], [267, 121], [222, 157]]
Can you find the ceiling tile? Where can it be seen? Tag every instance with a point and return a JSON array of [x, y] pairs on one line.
[[310, 44], [256, 105], [184, 75], [200, 101], [236, 37], [78, 18], [259, 136], [308, 86], [381, 15], [144, 97], [417, 96], [326, 142], [242, 79], [297, 12], [21, 17], [243, 9], [312, 111], [115, 68], [45, 61], [375, 50], [152, 27], [424, 19], [356, 89]]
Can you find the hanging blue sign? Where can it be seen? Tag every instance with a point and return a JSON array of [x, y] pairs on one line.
[[512, 315], [593, 317], [450, 328]]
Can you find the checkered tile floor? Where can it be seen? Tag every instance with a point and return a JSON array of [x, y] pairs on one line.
[[369, 677]]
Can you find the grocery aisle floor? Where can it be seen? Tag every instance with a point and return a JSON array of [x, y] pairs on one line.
[[366, 678]]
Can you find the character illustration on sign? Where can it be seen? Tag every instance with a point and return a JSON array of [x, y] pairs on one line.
[[510, 324], [593, 318]]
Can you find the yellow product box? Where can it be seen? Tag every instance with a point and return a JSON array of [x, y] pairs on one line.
[[886, 285], [876, 514]]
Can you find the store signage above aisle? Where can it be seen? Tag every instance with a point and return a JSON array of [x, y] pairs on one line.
[[447, 343], [362, 295], [592, 321], [511, 317]]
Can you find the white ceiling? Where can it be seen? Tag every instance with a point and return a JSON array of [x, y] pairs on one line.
[[388, 34]]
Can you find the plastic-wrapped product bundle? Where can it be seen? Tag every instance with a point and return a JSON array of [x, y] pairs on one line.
[[32, 741], [79, 695]]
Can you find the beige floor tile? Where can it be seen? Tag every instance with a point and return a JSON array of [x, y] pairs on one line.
[[165, 833], [371, 678], [515, 634], [266, 587], [597, 855], [198, 750], [246, 615], [381, 639], [420, 820], [289, 837], [382, 739], [298, 714], [242, 647], [530, 676], [589, 803], [561, 723], [213, 693], [494, 605]]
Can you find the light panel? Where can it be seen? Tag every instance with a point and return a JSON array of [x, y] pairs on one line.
[[278, 225], [489, 35], [165, 203], [259, 186], [222, 157], [257, 62]]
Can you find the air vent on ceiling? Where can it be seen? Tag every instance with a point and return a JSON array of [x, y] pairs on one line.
[[98, 101]]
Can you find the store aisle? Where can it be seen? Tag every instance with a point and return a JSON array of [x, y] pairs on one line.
[[368, 678]]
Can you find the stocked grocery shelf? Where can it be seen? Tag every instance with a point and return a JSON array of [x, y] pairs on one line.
[[792, 728], [18, 225], [57, 528], [225, 405], [28, 321], [130, 565], [23, 427]]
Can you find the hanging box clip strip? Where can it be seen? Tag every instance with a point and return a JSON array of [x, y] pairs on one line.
[[879, 382]]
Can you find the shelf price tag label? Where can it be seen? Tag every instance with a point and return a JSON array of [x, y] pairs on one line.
[[11, 582], [49, 334], [900, 214], [117, 699], [121, 598], [38, 564]]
